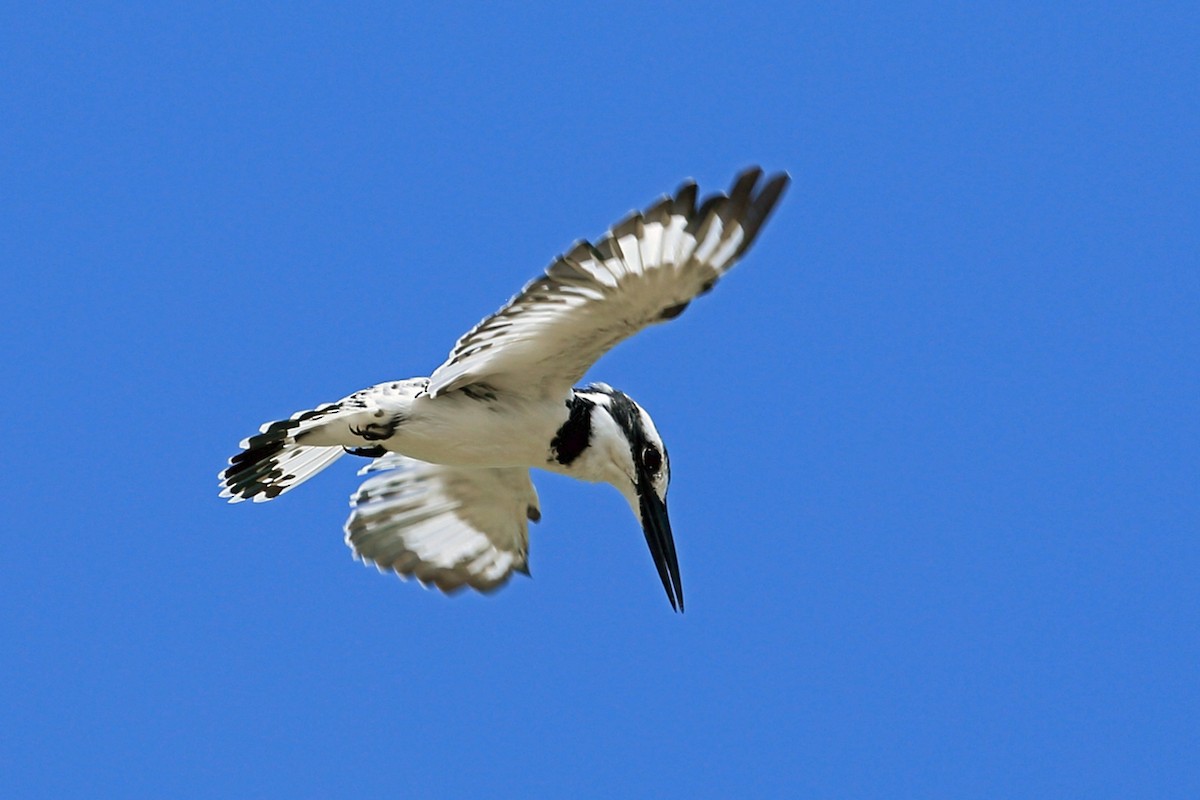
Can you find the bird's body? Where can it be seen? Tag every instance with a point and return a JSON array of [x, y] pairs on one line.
[[465, 428], [450, 495]]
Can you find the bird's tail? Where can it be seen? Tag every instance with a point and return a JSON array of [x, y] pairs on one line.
[[274, 462]]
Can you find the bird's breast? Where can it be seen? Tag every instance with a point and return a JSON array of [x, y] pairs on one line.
[[478, 429]]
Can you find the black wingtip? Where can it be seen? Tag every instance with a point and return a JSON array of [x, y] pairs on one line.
[[744, 183], [761, 207], [684, 202], [764, 204]]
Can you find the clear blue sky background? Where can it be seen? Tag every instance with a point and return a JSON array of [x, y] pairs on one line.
[[934, 443]]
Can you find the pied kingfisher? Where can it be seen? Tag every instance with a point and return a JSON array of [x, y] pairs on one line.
[[450, 494]]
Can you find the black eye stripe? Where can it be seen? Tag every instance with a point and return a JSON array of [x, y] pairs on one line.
[[629, 419]]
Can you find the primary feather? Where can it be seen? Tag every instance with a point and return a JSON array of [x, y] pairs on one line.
[[645, 270]]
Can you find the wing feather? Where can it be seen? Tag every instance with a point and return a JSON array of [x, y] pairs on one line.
[[645, 270], [446, 526]]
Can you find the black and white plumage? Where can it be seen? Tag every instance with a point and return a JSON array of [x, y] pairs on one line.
[[449, 498], [445, 525]]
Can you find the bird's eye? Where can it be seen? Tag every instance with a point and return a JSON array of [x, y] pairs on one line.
[[652, 458]]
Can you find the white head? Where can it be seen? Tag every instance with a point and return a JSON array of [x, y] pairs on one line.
[[611, 439]]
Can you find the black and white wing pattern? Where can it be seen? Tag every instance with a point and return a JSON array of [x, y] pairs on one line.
[[645, 270], [446, 526]]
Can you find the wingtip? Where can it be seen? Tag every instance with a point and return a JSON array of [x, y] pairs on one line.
[[757, 171], [761, 206], [744, 182], [775, 186], [684, 202]]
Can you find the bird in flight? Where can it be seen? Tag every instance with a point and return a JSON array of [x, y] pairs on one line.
[[449, 495]]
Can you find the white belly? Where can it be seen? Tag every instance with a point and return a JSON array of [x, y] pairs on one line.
[[460, 430]]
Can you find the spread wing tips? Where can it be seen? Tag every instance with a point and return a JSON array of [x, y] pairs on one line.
[[644, 270], [744, 183], [762, 206], [684, 202]]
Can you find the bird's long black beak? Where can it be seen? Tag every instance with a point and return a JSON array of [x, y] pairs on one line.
[[657, 527]]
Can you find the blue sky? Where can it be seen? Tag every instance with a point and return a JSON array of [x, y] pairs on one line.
[[934, 443]]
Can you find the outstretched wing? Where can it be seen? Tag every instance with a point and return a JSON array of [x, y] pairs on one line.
[[449, 526], [645, 270]]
